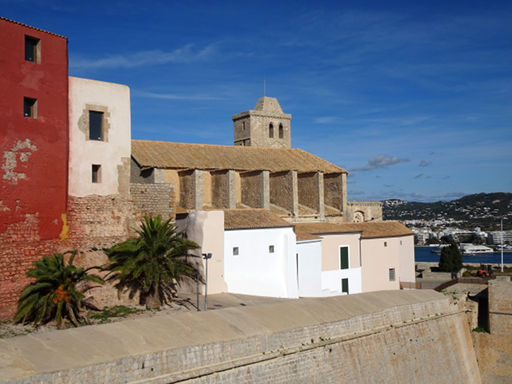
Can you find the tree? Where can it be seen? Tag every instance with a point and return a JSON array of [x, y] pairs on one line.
[[54, 294], [154, 263], [451, 259]]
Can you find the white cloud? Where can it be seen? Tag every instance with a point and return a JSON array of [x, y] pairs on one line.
[[424, 163], [173, 96], [325, 119], [381, 161], [185, 54]]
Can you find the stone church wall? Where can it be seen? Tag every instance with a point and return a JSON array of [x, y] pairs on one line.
[[152, 200], [333, 191], [309, 188], [284, 190]]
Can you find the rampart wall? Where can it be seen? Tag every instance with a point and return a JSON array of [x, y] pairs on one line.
[[494, 349], [385, 337], [92, 222]]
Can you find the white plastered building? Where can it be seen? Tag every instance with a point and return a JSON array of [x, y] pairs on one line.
[[257, 253], [99, 138]]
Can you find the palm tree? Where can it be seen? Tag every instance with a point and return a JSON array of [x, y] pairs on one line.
[[154, 263], [54, 294]]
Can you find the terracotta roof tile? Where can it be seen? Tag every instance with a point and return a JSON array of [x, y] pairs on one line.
[[159, 154], [31, 27], [302, 236], [252, 218], [368, 230]]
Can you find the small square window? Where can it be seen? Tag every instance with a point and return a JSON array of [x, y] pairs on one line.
[[235, 251], [32, 49], [95, 125], [96, 173], [391, 274], [29, 107], [270, 249]]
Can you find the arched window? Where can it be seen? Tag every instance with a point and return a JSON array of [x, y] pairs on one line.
[[271, 130], [281, 133]]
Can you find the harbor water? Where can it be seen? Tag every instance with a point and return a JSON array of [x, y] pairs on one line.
[[425, 254]]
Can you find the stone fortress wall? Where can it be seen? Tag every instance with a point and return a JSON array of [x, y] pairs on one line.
[[388, 337], [91, 223], [494, 349]]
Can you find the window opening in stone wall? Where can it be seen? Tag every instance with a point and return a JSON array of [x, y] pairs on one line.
[[391, 274], [343, 257], [281, 131], [30, 107], [95, 125], [96, 173], [271, 130], [243, 125], [32, 49], [270, 249], [235, 251], [344, 286]]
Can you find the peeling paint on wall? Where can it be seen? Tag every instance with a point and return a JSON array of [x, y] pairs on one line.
[[21, 151], [4, 208], [64, 234]]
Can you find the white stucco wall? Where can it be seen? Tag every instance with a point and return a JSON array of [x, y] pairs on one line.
[[114, 100], [206, 228], [331, 281], [378, 256], [255, 271], [309, 258]]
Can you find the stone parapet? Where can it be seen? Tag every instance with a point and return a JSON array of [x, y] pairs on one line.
[[360, 211], [320, 340], [500, 306]]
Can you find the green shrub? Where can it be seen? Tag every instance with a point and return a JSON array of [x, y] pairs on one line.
[[54, 295], [153, 263]]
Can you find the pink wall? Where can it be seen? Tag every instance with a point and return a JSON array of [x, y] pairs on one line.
[[378, 256], [331, 253]]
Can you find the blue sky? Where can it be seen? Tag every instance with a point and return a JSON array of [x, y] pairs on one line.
[[414, 99]]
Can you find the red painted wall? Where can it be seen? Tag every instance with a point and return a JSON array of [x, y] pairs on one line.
[[33, 152]]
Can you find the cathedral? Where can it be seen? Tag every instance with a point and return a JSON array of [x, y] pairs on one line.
[[260, 170]]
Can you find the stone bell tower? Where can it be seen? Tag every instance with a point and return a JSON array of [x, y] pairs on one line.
[[264, 126]]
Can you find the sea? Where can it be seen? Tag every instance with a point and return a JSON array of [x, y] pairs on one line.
[[425, 254]]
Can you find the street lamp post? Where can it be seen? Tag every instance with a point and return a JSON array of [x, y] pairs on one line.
[[206, 256], [502, 244]]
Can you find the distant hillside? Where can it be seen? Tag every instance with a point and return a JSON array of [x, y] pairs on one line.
[[481, 209]]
